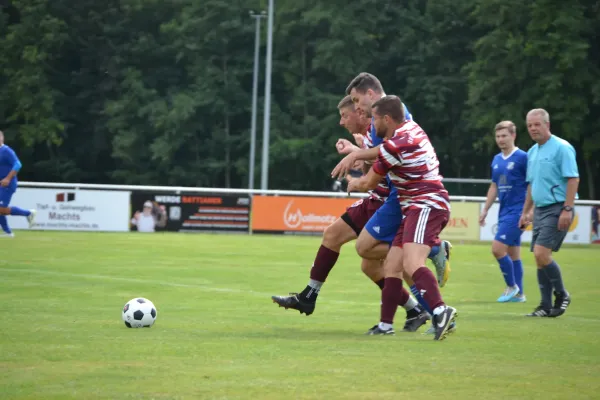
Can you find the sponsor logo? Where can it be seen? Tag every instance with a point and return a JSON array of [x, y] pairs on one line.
[[294, 218]]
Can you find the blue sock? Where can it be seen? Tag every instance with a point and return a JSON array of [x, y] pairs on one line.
[[19, 211], [434, 251], [4, 224], [506, 266], [420, 299], [518, 268]]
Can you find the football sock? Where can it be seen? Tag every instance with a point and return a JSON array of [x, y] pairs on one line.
[[411, 306], [428, 287], [420, 298], [506, 266], [554, 275], [518, 268], [324, 262], [4, 224], [545, 288], [392, 295], [434, 251], [19, 211]]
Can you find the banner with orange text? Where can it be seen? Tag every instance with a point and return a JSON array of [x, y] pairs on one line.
[[298, 215]]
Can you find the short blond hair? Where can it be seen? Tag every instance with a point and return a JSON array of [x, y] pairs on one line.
[[542, 112], [509, 125], [345, 102]]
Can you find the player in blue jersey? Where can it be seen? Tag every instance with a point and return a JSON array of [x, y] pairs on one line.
[[9, 167], [375, 239], [509, 185]]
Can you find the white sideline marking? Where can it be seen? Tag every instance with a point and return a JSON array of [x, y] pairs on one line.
[[242, 291]]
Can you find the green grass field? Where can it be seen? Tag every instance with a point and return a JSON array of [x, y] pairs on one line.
[[219, 336]]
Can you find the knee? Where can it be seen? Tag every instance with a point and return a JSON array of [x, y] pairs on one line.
[[4, 210], [362, 249], [329, 235], [542, 256], [498, 250]]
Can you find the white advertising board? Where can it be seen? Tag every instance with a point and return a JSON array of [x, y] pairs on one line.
[[579, 232], [73, 210]]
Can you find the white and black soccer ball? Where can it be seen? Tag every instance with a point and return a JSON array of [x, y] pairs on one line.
[[139, 313]]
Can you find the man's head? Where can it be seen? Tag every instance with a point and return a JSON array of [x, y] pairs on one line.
[[388, 113], [1, 138], [147, 208], [506, 133], [538, 125], [364, 90], [350, 119]]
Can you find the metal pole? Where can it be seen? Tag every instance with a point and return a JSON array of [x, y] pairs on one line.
[[264, 181], [252, 161]]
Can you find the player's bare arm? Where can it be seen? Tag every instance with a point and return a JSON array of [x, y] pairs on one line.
[[526, 216], [492, 194], [365, 183], [564, 221], [347, 162]]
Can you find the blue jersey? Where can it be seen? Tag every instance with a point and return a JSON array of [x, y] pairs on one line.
[[9, 162], [509, 174]]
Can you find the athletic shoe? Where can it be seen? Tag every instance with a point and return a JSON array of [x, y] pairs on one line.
[[414, 323], [295, 303], [376, 330], [31, 218], [442, 322], [508, 294], [441, 261], [561, 303], [431, 330], [518, 299], [539, 311]]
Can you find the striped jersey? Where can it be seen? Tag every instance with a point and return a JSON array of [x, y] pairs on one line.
[[382, 191], [412, 166]]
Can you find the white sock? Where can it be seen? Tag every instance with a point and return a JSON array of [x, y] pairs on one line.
[[410, 304], [439, 310], [315, 284], [385, 326]]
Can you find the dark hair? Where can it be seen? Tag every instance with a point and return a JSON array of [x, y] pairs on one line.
[[391, 106], [363, 82], [345, 102]]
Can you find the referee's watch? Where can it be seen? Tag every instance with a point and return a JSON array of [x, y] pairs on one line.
[[567, 208]]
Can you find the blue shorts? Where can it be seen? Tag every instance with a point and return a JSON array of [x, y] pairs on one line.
[[508, 230], [384, 224], [6, 193]]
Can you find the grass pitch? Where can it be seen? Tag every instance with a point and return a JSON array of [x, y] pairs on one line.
[[219, 336]]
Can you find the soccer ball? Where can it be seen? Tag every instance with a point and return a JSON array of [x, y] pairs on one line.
[[139, 313]]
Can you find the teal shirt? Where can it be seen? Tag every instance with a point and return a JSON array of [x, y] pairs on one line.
[[548, 168]]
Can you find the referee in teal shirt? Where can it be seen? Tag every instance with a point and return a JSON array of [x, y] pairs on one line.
[[553, 180]]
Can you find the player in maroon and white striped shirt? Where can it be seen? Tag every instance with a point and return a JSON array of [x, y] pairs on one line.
[[410, 161], [343, 230]]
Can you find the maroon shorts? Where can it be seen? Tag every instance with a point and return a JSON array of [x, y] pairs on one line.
[[422, 225], [359, 213]]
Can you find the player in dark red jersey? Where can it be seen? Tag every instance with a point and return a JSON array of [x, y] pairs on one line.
[[345, 229], [410, 161]]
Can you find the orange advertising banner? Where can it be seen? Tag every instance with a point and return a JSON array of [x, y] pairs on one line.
[[296, 214]]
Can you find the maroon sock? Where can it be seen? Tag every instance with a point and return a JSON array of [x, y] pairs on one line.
[[380, 283], [427, 285], [323, 264], [391, 295]]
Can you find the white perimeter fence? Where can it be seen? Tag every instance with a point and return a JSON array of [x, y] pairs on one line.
[[97, 207]]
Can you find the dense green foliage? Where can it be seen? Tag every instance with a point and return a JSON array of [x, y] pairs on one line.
[[153, 92]]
